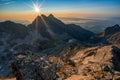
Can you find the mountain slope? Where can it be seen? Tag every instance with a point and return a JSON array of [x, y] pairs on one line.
[[78, 32], [16, 30], [50, 25]]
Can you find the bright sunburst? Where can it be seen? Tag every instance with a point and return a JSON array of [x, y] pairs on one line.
[[37, 8]]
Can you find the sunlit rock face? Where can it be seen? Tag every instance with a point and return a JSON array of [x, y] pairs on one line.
[[96, 62]]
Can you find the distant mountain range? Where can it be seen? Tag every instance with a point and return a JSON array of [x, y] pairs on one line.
[[51, 28]]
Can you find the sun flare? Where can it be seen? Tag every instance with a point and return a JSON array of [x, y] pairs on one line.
[[36, 8]]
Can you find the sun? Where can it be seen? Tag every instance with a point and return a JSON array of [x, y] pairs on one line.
[[36, 8]]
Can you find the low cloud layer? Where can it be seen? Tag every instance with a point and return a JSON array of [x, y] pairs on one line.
[[95, 25]]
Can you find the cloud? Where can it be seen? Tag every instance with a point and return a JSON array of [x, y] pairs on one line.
[[9, 2], [95, 25], [3, 1], [6, 2]]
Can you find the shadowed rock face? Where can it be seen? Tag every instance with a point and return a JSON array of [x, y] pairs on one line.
[[112, 30], [116, 58], [112, 34], [78, 32]]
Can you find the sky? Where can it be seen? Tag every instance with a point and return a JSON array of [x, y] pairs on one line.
[[21, 9]]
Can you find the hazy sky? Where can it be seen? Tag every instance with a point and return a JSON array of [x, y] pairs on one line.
[[21, 10]]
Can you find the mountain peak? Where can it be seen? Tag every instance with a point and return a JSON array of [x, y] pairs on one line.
[[8, 22], [112, 30], [42, 15], [116, 26], [37, 17], [51, 16]]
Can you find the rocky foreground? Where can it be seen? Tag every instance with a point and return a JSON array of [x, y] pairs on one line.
[[94, 63], [31, 66], [97, 63]]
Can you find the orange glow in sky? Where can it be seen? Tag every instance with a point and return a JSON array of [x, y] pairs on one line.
[[20, 9]]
